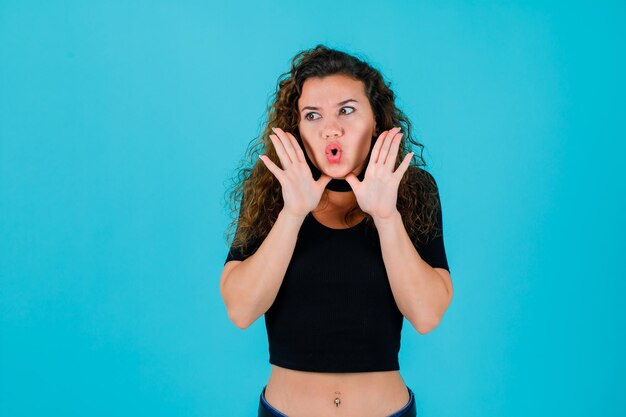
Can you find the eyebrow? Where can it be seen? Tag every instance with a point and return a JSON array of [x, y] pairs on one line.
[[338, 104]]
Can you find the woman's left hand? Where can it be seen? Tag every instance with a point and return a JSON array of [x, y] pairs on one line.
[[377, 194]]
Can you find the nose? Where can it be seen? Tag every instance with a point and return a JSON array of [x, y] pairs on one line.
[[332, 130]]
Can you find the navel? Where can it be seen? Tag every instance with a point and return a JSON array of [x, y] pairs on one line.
[[337, 399]]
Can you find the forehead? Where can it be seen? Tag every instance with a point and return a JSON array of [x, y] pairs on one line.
[[329, 90]]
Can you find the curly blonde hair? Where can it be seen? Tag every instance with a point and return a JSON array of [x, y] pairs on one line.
[[255, 196]]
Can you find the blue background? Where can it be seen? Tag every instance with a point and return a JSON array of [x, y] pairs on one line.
[[121, 124]]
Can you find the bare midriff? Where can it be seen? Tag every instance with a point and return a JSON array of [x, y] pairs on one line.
[[313, 394]]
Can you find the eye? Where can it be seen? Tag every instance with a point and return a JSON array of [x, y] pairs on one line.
[[308, 114], [352, 109]]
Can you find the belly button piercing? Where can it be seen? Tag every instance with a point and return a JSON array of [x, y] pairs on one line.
[[337, 400]]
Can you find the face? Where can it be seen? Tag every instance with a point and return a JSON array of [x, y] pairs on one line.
[[335, 111]]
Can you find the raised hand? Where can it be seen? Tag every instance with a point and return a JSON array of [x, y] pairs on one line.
[[377, 194], [301, 193]]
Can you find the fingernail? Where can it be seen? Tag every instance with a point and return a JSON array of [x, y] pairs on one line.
[[273, 130]]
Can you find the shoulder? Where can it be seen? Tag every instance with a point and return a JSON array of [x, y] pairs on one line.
[[428, 176], [422, 180], [427, 215]]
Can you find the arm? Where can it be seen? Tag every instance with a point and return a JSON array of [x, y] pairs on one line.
[[422, 293], [249, 287]]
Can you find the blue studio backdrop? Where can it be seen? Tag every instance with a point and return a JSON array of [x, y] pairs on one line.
[[121, 124]]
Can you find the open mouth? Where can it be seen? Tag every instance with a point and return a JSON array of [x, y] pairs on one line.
[[333, 152]]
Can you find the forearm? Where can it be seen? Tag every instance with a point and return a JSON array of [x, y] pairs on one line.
[[419, 291], [251, 287]]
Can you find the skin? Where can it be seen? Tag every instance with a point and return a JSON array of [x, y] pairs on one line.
[[352, 125]]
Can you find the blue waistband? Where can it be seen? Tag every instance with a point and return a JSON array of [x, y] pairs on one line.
[[277, 413]]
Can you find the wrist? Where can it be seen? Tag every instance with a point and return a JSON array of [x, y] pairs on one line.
[[290, 217], [391, 218]]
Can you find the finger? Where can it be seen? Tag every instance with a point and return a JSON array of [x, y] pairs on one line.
[[386, 146], [378, 154], [377, 146], [353, 181], [285, 161], [323, 180], [282, 135], [393, 151], [404, 166], [297, 147], [274, 169]]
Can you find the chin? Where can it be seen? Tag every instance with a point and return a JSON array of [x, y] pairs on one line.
[[336, 173]]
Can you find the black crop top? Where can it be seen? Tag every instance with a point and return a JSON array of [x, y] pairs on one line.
[[335, 311]]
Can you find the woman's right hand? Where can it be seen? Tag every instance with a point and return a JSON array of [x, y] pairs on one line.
[[301, 193]]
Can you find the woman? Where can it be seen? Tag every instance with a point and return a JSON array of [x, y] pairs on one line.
[[338, 239]]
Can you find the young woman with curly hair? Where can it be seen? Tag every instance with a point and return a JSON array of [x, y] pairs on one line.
[[339, 236]]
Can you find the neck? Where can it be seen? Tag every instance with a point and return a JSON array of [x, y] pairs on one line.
[[339, 199]]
